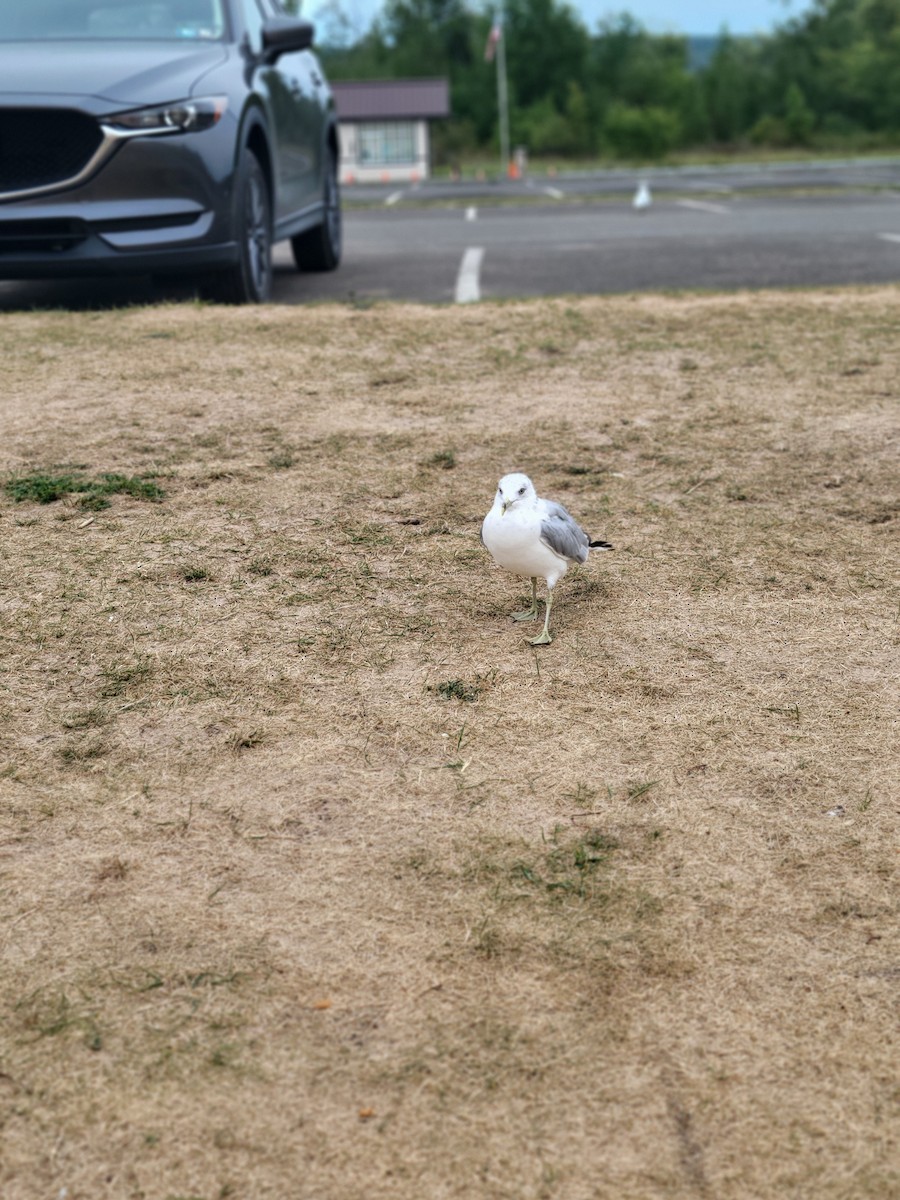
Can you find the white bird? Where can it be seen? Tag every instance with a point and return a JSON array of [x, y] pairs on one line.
[[535, 538], [642, 198]]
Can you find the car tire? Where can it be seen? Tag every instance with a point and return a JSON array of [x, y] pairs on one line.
[[319, 248], [249, 280]]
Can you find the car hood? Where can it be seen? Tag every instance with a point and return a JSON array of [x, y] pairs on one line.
[[103, 77]]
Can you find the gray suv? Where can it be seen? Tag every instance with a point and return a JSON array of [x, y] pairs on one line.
[[164, 137]]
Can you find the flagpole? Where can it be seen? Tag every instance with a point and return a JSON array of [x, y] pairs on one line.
[[502, 95]]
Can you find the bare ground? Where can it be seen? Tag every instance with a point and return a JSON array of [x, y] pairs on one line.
[[316, 881]]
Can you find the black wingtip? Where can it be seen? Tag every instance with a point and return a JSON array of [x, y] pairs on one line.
[[600, 545]]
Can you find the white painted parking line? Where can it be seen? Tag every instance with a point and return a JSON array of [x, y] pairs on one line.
[[703, 206], [890, 237], [545, 188], [471, 213], [394, 197], [468, 286]]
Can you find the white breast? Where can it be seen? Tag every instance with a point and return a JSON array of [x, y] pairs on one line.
[[514, 541]]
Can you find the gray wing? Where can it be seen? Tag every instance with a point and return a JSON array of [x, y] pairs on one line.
[[563, 535]]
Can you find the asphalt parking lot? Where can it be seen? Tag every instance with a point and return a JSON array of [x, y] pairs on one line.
[[442, 255], [706, 228]]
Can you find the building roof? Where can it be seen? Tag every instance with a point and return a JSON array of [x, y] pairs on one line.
[[391, 99]]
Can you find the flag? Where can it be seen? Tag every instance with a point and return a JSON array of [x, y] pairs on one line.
[[493, 38]]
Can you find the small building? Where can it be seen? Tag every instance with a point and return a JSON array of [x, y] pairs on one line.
[[384, 127]]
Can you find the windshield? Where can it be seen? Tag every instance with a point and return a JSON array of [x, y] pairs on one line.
[[55, 20]]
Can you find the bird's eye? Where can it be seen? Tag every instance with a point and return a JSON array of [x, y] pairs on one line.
[[521, 491]]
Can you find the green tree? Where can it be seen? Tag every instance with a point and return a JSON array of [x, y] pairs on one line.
[[799, 118], [427, 37], [640, 133], [547, 47], [844, 55], [834, 69], [546, 130], [630, 67], [727, 89]]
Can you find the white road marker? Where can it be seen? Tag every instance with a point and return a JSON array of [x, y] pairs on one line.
[[703, 206], [890, 237], [394, 197], [471, 213], [554, 192], [468, 287]]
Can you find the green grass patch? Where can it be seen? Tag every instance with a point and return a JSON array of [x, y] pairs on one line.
[[445, 459], [460, 689], [568, 864], [44, 487]]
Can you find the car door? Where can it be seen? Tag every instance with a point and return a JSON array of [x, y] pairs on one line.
[[294, 85]]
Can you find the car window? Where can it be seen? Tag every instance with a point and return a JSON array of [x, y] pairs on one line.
[[43, 20]]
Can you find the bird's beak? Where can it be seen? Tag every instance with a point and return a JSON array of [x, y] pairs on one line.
[[504, 506]]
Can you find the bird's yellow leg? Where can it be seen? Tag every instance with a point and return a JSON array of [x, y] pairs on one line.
[[530, 613], [544, 638]]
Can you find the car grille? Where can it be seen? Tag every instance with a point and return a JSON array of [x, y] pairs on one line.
[[41, 236], [40, 147]]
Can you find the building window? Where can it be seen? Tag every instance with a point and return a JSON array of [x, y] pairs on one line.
[[391, 142]]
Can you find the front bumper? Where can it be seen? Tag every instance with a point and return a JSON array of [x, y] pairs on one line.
[[159, 204]]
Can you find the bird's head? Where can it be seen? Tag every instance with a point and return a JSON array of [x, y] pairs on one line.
[[514, 489]]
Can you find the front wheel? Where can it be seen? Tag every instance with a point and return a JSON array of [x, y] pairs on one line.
[[319, 248], [249, 280]]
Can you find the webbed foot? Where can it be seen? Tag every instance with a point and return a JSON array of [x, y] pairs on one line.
[[530, 613], [542, 639]]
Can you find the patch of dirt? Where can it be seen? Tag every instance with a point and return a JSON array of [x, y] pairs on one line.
[[317, 880]]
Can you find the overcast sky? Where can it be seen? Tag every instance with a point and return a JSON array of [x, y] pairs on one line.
[[658, 16], [698, 16]]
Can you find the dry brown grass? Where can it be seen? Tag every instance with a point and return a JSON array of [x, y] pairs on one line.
[[316, 881]]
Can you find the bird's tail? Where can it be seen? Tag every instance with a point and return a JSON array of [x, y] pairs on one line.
[[600, 545]]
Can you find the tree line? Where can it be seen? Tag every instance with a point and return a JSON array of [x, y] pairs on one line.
[[828, 78]]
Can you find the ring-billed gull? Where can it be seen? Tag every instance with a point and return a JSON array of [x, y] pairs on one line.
[[535, 538]]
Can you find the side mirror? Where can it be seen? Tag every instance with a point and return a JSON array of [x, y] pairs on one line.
[[286, 35]]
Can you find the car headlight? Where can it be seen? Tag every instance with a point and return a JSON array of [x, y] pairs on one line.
[[182, 116]]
